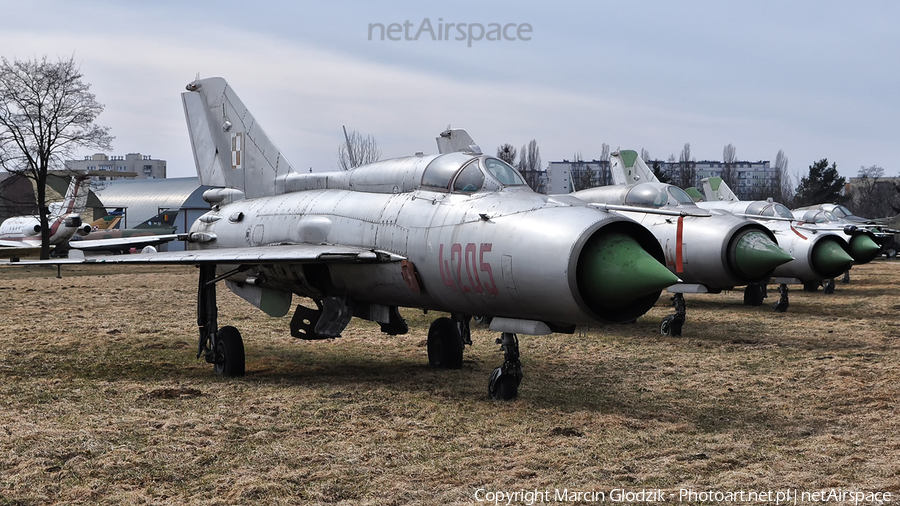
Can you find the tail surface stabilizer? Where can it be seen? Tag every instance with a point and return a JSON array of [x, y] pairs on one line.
[[75, 199], [716, 190], [230, 148], [455, 140], [627, 167]]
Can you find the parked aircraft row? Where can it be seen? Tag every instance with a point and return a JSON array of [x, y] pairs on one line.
[[458, 232]]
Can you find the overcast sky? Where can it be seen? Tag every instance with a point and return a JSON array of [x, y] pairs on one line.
[[816, 79]]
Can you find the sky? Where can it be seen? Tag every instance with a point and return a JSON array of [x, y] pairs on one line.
[[816, 79]]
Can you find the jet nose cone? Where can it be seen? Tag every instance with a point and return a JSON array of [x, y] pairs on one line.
[[615, 271], [863, 248], [829, 258], [754, 254]]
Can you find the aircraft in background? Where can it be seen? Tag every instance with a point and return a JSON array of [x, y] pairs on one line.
[[458, 232], [819, 254], [865, 236], [108, 222], [155, 231], [21, 235], [710, 251]]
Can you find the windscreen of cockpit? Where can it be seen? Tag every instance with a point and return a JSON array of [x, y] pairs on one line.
[[783, 211], [504, 173], [680, 197], [841, 212]]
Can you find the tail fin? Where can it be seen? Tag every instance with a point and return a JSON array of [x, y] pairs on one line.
[[230, 148], [627, 167], [164, 219], [75, 200], [695, 194], [456, 139], [717, 191]]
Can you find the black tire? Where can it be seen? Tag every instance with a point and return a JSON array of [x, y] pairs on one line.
[[753, 295], [229, 353], [665, 328], [502, 387], [811, 286], [445, 346]]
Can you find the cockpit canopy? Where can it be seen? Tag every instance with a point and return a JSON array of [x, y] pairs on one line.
[[764, 208], [818, 216], [652, 194], [467, 173]]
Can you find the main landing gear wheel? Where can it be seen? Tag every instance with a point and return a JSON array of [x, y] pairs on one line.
[[229, 360], [504, 381], [445, 344]]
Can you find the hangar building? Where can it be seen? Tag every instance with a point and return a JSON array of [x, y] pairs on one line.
[[143, 199]]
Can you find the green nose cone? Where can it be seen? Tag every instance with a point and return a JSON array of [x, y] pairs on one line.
[[614, 271], [754, 255], [863, 249], [829, 258]]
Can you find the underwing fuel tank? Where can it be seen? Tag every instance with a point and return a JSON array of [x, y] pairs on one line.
[[717, 250]]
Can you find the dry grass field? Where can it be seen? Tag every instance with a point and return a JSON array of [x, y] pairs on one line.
[[102, 402]]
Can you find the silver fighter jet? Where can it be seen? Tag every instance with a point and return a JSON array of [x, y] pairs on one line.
[[862, 234], [709, 251], [458, 232], [818, 253]]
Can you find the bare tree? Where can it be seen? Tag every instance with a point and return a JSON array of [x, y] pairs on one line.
[[687, 168], [357, 150], [870, 197], [784, 188], [530, 165], [729, 169], [604, 177], [507, 153], [46, 112], [645, 155], [581, 175]]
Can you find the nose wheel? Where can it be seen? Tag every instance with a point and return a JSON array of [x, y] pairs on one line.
[[782, 304], [671, 325], [503, 384]]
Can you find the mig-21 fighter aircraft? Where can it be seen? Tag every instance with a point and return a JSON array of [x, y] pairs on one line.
[[458, 232]]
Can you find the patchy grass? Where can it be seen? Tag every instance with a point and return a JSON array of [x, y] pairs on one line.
[[101, 401]]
